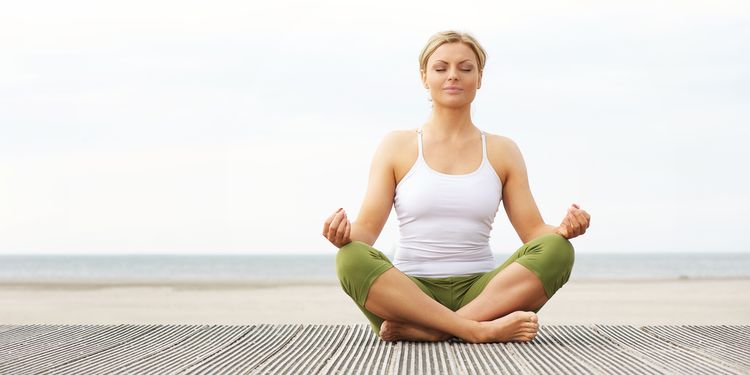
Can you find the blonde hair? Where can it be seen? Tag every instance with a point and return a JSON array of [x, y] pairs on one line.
[[450, 36]]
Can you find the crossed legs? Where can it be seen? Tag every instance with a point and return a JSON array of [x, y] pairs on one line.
[[503, 309], [502, 312]]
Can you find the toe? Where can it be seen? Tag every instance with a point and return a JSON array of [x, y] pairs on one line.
[[385, 331]]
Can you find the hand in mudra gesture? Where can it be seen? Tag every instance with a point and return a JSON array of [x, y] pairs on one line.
[[337, 228], [575, 222]]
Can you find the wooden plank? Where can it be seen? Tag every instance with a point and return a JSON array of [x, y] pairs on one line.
[[101, 338], [249, 351], [730, 355], [21, 333], [307, 352], [584, 345], [544, 356], [353, 349], [44, 341], [129, 352], [422, 358], [5, 328], [732, 335], [187, 352], [489, 359], [662, 354], [361, 352]]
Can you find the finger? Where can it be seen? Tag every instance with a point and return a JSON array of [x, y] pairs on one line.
[[569, 221], [327, 224], [586, 215], [582, 219], [576, 226], [335, 225], [565, 226], [575, 221], [342, 229], [328, 221], [570, 226], [565, 221], [578, 220]]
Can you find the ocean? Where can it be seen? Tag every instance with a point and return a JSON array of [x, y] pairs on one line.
[[321, 268]]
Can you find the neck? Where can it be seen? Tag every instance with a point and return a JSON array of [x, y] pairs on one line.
[[450, 123]]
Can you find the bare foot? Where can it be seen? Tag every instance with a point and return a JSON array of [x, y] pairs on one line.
[[396, 331], [516, 326]]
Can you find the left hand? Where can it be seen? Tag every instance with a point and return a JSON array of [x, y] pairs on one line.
[[575, 222]]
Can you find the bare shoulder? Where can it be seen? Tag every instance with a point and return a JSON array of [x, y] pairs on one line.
[[399, 138], [399, 150], [503, 153], [395, 142]]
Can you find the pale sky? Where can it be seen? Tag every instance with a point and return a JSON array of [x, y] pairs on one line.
[[235, 127]]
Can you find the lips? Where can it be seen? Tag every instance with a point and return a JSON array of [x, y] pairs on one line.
[[453, 88]]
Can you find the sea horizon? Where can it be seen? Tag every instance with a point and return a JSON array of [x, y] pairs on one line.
[[317, 268]]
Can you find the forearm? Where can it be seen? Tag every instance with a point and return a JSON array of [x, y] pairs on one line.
[[540, 231], [360, 232]]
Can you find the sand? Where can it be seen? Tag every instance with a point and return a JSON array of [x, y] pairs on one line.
[[642, 302]]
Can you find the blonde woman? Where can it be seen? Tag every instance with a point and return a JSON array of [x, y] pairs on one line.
[[446, 180]]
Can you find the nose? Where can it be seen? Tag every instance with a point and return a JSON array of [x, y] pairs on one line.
[[453, 75]]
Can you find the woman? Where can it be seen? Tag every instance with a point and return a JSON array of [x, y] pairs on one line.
[[443, 282]]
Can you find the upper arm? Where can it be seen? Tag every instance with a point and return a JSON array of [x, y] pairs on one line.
[[517, 199], [381, 187]]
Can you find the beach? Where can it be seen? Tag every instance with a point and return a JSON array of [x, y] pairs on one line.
[[631, 302]]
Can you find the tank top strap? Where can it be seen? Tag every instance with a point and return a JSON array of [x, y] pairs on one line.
[[419, 144], [484, 145]]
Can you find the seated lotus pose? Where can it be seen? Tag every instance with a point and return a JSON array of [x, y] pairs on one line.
[[446, 180]]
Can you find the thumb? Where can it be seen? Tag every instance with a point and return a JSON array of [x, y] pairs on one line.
[[562, 231]]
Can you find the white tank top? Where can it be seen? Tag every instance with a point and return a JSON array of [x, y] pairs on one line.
[[445, 220]]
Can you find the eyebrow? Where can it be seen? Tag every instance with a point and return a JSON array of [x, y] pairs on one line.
[[459, 62]]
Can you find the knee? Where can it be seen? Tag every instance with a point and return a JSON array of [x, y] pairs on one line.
[[357, 265], [558, 257], [346, 257], [352, 258], [561, 251]]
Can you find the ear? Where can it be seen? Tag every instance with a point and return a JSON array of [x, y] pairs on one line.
[[479, 81], [423, 77]]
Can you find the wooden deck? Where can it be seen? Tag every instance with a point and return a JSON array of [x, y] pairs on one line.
[[344, 349]]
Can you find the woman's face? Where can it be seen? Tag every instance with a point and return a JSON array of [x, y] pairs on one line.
[[452, 75]]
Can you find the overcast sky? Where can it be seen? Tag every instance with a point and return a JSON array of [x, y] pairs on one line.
[[238, 127]]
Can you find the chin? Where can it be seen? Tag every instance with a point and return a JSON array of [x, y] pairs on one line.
[[454, 104]]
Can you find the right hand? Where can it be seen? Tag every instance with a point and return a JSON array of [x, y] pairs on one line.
[[337, 228]]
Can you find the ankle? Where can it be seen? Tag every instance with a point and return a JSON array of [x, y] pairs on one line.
[[477, 333]]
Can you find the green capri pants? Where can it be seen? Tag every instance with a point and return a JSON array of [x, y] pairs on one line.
[[358, 264]]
